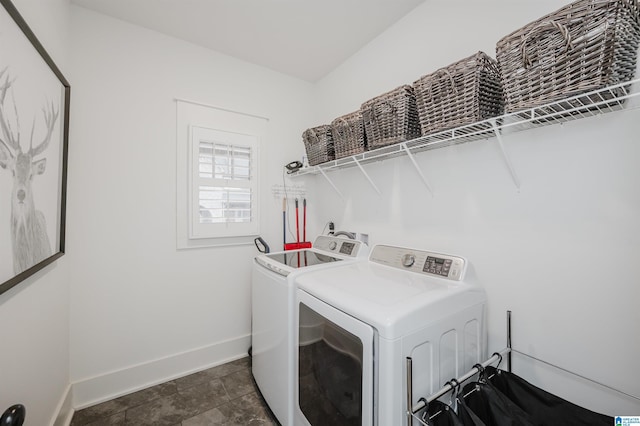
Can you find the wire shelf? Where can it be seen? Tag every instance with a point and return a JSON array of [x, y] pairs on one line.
[[613, 98]]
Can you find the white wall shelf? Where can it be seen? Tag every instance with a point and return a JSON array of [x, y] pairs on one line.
[[613, 98]]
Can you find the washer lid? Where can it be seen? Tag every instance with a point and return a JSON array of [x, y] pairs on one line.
[[301, 258], [393, 301], [326, 251]]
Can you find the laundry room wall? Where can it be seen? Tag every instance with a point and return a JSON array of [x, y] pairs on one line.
[[34, 315], [142, 311], [559, 251]]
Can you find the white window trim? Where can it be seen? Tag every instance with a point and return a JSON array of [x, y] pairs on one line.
[[188, 115]]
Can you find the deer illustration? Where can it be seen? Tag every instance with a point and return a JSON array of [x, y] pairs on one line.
[[29, 238]]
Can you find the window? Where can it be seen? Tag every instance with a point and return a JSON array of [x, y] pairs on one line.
[[218, 159], [224, 187]]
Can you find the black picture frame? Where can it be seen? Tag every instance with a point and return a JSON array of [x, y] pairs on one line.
[[34, 112]]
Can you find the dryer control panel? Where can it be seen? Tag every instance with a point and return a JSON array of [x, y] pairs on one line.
[[420, 261], [343, 246]]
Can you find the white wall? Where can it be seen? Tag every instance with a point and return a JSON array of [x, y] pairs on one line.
[[34, 316], [142, 311], [560, 251]]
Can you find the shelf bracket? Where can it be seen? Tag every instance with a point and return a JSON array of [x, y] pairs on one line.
[[366, 175], [331, 182], [505, 156], [415, 165]]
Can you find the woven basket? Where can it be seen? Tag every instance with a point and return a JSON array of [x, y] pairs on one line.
[[318, 143], [585, 46], [348, 135], [391, 117], [462, 93]]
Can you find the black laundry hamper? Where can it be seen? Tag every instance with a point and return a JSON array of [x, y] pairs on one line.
[[543, 407], [492, 407], [505, 399], [444, 415], [467, 416]]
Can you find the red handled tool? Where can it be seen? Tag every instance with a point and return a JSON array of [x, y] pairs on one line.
[[297, 224], [300, 244], [297, 230], [304, 226], [284, 223]]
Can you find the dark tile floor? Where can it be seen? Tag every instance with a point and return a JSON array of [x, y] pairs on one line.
[[224, 395]]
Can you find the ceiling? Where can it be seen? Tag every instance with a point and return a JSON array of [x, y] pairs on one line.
[[302, 38]]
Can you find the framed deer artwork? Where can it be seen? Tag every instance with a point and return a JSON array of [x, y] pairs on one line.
[[34, 133]]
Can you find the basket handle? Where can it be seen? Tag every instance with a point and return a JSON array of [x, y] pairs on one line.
[[344, 123], [541, 28], [368, 115], [313, 135], [448, 74], [429, 85], [392, 108]]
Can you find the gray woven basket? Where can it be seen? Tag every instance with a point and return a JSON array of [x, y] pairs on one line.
[[462, 93], [391, 117], [318, 143], [584, 46], [348, 135]]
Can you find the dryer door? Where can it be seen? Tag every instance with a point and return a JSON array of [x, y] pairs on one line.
[[334, 365]]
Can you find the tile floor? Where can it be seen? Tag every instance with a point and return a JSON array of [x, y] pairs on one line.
[[223, 395]]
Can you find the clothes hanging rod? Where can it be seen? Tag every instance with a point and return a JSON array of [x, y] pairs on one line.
[[422, 403], [497, 356]]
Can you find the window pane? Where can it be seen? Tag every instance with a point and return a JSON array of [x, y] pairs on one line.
[[205, 159], [224, 204], [206, 170], [241, 172], [223, 161], [241, 162]]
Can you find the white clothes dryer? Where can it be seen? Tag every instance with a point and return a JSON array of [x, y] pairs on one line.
[[357, 324], [273, 312]]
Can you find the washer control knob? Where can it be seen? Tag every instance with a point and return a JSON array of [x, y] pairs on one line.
[[333, 245], [408, 260]]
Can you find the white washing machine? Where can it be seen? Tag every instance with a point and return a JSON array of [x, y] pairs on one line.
[[358, 323], [273, 314]]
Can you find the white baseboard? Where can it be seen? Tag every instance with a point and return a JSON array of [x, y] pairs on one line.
[[112, 385], [64, 412]]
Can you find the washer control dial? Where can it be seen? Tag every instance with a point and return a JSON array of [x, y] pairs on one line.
[[408, 260], [333, 245]]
